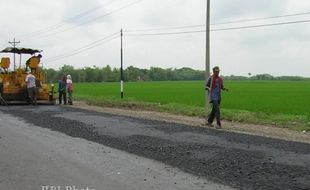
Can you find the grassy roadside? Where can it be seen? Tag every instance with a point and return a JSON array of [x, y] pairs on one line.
[[293, 122]]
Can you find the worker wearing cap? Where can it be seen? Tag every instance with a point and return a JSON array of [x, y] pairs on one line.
[[38, 57], [215, 86], [31, 87]]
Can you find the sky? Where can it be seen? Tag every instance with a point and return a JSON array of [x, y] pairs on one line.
[[87, 33]]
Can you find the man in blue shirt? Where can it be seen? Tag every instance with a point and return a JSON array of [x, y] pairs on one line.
[[62, 90], [215, 86]]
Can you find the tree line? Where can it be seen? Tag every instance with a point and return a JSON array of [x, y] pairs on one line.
[[108, 74]]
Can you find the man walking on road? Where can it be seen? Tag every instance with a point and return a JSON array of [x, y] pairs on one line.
[[215, 86]]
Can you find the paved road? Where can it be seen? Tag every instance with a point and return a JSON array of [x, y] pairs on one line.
[[115, 152], [37, 158]]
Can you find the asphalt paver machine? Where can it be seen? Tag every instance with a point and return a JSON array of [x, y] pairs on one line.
[[13, 87]]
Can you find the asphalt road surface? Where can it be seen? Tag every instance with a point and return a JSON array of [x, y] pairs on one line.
[[55, 146]]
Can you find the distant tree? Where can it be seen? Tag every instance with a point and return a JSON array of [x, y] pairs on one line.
[[81, 75], [134, 74], [66, 69], [171, 74], [51, 74], [186, 73], [264, 77], [107, 74], [116, 75], [89, 72], [157, 74]]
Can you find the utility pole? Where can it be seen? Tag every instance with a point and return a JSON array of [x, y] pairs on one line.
[[122, 76], [14, 43], [207, 75]]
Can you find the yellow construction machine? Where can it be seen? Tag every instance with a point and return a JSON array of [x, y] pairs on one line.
[[13, 87]]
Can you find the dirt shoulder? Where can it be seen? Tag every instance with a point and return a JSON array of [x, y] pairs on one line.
[[252, 129]]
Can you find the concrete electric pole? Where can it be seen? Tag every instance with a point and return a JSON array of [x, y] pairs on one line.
[[14, 43], [122, 75], [207, 75]]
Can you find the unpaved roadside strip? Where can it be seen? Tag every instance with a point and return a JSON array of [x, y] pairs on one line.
[[244, 128]]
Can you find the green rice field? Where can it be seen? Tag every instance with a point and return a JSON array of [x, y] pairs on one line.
[[283, 103]]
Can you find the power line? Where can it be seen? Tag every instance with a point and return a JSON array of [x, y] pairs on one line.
[[46, 29], [93, 44], [113, 36], [166, 28], [220, 29], [166, 33], [85, 48], [262, 25], [81, 51], [96, 18], [261, 18], [219, 23]]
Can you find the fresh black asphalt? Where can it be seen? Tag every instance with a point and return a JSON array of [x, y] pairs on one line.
[[238, 160]]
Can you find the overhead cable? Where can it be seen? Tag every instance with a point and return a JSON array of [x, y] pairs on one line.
[[262, 25], [219, 29], [166, 33], [85, 48], [96, 18], [59, 25], [218, 23], [261, 18], [166, 28]]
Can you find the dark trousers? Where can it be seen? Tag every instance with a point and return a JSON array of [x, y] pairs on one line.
[[215, 113], [64, 96], [32, 94]]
